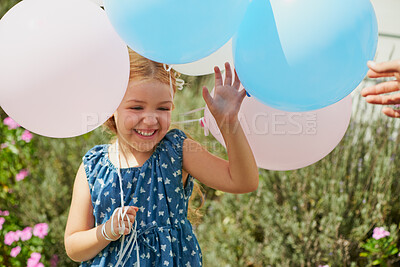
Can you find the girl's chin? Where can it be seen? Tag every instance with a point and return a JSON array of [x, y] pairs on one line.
[[144, 147]]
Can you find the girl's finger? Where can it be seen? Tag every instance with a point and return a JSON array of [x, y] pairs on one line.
[[236, 84], [133, 211], [391, 112], [242, 96], [207, 97], [384, 99], [381, 88], [228, 74], [218, 76], [131, 218], [390, 66]]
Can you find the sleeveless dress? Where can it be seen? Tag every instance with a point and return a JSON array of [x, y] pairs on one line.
[[164, 234]]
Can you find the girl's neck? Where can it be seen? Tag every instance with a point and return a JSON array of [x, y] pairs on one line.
[[130, 157]]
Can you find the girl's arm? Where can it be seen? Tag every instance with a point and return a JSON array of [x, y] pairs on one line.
[[82, 241], [240, 173]]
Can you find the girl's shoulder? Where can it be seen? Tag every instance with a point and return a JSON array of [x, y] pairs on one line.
[[95, 152], [93, 157], [175, 135], [174, 140]]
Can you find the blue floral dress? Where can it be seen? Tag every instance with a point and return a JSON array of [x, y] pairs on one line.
[[165, 236]]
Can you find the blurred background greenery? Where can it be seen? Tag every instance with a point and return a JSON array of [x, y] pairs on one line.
[[318, 215]]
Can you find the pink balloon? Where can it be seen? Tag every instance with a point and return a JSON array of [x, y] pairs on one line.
[[283, 140], [63, 69]]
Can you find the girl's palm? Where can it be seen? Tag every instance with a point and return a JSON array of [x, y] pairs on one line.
[[227, 99]]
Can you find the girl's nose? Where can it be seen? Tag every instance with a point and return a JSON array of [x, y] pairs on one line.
[[150, 119]]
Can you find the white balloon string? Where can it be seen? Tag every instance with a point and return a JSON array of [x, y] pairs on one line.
[[202, 120], [179, 83], [121, 215], [204, 124], [170, 79], [192, 111], [187, 121]]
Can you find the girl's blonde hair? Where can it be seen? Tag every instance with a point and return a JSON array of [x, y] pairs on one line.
[[144, 69]]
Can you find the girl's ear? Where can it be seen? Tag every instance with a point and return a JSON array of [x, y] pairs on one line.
[[173, 106]]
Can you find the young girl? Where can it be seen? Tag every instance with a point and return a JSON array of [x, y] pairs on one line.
[[151, 168]]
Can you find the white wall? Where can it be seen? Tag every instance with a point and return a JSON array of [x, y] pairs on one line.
[[388, 15]]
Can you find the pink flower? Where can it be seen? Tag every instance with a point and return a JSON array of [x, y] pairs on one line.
[[379, 232], [6, 213], [18, 233], [10, 237], [2, 220], [33, 261], [26, 234], [54, 260], [36, 256], [26, 136], [11, 123], [4, 145], [15, 251], [22, 174], [40, 230]]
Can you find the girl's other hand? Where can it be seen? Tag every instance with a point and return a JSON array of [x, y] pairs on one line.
[[374, 93], [225, 104], [131, 213]]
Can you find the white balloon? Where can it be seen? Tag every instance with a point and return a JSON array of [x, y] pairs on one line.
[[63, 68], [98, 2], [206, 65]]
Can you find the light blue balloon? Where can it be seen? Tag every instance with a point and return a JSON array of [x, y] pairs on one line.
[[301, 55], [176, 31]]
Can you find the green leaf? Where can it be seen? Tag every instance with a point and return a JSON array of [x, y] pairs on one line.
[[363, 254], [393, 251], [376, 262], [13, 149]]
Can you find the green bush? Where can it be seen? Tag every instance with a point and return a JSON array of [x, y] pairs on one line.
[[313, 216], [20, 238]]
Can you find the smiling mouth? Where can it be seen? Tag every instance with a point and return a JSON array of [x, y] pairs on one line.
[[145, 133]]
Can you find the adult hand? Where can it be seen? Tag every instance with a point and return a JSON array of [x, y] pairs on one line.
[[225, 104], [374, 93]]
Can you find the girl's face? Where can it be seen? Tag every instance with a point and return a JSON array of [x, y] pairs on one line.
[[144, 115]]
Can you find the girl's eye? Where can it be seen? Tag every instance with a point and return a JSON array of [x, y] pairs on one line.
[[137, 108], [164, 108]]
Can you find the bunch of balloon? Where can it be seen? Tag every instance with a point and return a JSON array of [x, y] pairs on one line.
[[63, 70]]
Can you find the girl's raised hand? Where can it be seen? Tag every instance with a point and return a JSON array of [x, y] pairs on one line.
[[225, 104], [131, 213]]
